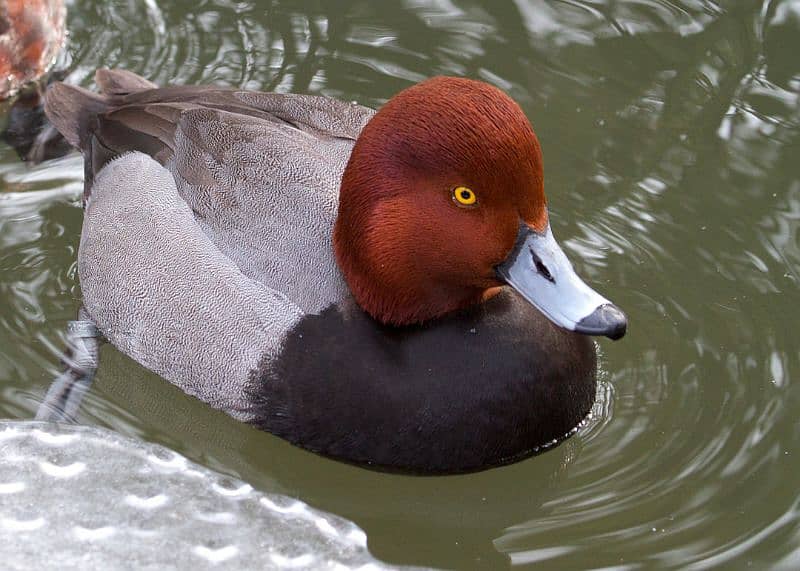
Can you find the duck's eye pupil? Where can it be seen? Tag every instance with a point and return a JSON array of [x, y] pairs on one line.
[[465, 195]]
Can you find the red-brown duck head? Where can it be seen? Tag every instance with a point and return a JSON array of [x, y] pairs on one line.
[[31, 34], [442, 202]]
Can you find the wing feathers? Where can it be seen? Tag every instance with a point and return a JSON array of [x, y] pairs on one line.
[[120, 82]]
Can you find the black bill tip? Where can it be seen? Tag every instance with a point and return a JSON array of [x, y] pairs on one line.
[[606, 320]]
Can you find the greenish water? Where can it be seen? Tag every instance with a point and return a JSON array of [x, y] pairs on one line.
[[671, 133]]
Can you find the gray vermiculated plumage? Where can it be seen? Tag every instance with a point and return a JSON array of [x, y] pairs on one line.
[[163, 294], [196, 264]]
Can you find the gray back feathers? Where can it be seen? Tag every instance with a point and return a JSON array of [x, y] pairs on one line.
[[198, 259]]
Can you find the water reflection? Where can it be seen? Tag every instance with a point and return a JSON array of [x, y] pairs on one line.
[[670, 132]]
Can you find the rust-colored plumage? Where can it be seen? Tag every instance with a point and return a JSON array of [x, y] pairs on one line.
[[408, 251], [31, 33]]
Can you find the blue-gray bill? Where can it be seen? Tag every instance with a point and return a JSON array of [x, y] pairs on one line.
[[540, 271]]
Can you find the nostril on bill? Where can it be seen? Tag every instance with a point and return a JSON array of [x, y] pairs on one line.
[[541, 268]]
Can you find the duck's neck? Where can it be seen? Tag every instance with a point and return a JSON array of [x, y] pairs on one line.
[[387, 280], [400, 300]]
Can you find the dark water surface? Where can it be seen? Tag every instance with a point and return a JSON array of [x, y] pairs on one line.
[[672, 158]]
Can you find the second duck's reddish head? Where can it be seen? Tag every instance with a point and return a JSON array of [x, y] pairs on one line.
[[442, 202], [31, 34]]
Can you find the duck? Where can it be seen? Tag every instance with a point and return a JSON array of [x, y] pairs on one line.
[[379, 287], [31, 35]]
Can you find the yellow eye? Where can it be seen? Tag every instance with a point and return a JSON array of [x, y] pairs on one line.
[[464, 196]]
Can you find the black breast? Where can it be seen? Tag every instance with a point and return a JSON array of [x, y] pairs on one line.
[[476, 389]]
